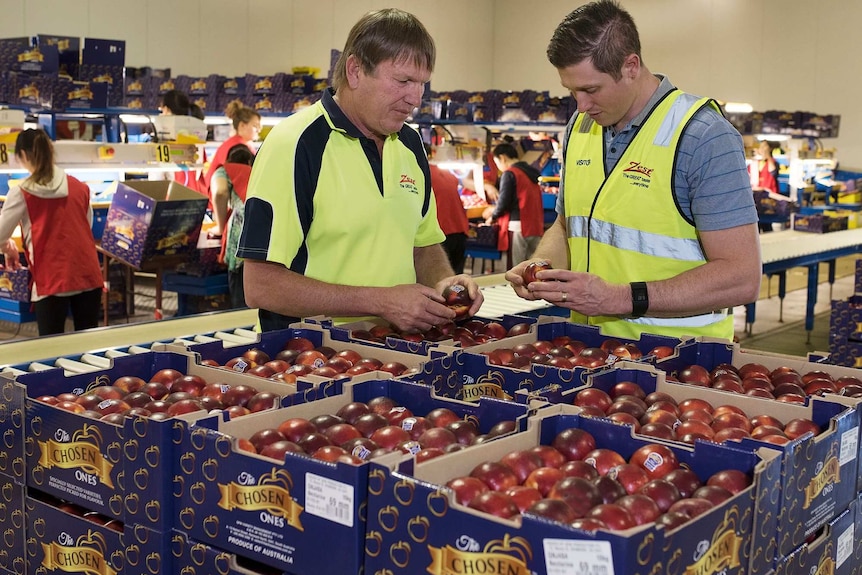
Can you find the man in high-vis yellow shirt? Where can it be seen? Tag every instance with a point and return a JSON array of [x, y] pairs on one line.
[[656, 229]]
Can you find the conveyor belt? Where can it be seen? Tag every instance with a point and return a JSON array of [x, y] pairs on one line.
[[788, 244]]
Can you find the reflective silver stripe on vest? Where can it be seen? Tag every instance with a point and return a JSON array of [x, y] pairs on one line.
[[678, 110], [690, 321], [635, 240]]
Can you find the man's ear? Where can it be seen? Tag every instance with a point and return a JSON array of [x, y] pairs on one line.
[[353, 70], [631, 67]]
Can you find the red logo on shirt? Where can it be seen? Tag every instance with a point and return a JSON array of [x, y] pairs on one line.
[[639, 168], [405, 179]]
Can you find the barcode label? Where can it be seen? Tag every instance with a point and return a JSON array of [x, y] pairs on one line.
[[845, 547], [329, 499]]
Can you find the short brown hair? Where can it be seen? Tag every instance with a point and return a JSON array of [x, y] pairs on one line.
[[600, 31], [382, 35]]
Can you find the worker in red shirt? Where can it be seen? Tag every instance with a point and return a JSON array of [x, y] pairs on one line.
[[450, 215]]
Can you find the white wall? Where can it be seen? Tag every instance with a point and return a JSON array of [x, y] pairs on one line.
[[774, 54]]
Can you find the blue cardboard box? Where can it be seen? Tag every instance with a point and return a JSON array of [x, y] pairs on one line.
[[123, 471], [149, 220], [12, 526], [15, 284], [61, 542], [820, 475], [837, 550], [282, 513], [416, 525]]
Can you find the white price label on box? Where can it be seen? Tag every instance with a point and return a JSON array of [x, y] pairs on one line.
[[846, 541], [578, 557], [849, 446], [329, 499]]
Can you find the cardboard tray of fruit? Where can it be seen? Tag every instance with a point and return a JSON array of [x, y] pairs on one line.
[[271, 488], [554, 355], [422, 517], [306, 351], [442, 339], [818, 481], [817, 441], [105, 439]]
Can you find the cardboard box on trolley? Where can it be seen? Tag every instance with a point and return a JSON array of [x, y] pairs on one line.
[[415, 525], [152, 221]]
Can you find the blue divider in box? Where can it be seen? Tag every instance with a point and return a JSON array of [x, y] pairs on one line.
[[414, 523], [280, 512], [124, 472], [605, 379], [468, 377], [593, 337], [11, 526], [58, 541], [705, 353]]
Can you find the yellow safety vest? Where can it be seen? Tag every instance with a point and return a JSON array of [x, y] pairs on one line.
[[627, 227]]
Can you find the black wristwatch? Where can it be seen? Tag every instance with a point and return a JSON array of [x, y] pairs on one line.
[[640, 299]]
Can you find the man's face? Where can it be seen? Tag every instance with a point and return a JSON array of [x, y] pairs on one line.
[[388, 95], [606, 100]]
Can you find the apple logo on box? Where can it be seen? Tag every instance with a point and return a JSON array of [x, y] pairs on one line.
[[702, 547]]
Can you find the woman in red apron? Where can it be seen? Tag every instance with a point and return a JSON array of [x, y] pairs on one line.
[[53, 210], [229, 185]]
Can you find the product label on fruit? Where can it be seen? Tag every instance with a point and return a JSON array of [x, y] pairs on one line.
[[573, 557], [849, 445], [845, 546], [329, 499]]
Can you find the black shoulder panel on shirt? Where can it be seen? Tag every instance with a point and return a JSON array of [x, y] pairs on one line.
[[413, 142], [307, 166]]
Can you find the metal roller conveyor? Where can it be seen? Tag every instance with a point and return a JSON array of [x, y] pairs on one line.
[[233, 339], [204, 339], [136, 349], [70, 366], [247, 333], [112, 353], [96, 360], [37, 366]]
